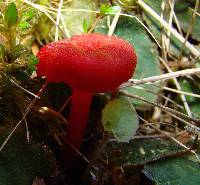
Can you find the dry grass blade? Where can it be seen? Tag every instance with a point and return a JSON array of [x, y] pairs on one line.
[[176, 91], [190, 27], [159, 95], [166, 76], [114, 23], [25, 90], [58, 19], [45, 11], [183, 98], [148, 9], [23, 117], [124, 93]]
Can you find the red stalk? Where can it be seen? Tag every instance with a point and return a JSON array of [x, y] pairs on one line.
[[80, 106]]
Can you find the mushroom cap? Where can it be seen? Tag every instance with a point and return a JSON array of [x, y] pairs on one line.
[[88, 62]]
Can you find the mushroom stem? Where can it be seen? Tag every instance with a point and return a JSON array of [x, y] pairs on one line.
[[80, 106]]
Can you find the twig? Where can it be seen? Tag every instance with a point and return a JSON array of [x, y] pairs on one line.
[[95, 23], [114, 22], [194, 11], [63, 138], [165, 37], [148, 9], [27, 130], [140, 137], [143, 25], [123, 14], [41, 8], [159, 95], [183, 98], [64, 27], [177, 91], [58, 19], [24, 116], [25, 90], [188, 125], [53, 112], [190, 27], [124, 93], [65, 104], [166, 76], [175, 17], [181, 144]]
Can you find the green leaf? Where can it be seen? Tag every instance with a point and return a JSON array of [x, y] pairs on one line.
[[141, 150], [11, 14], [33, 61], [27, 16], [103, 8], [107, 9], [85, 26], [24, 25], [20, 161], [175, 172], [195, 108], [112, 9], [120, 118], [188, 87]]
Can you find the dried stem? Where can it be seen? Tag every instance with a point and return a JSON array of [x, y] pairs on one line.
[[25, 90], [148, 9], [177, 91], [58, 19], [124, 93], [183, 98], [114, 23], [190, 27], [23, 117], [133, 82]]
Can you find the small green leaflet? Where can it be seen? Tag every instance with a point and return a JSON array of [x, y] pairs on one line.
[[11, 14], [24, 25], [27, 16], [107, 9], [85, 26], [112, 9], [33, 61]]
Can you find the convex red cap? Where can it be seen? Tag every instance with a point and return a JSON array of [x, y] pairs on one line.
[[88, 62]]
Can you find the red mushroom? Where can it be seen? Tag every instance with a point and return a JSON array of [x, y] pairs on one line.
[[88, 63]]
